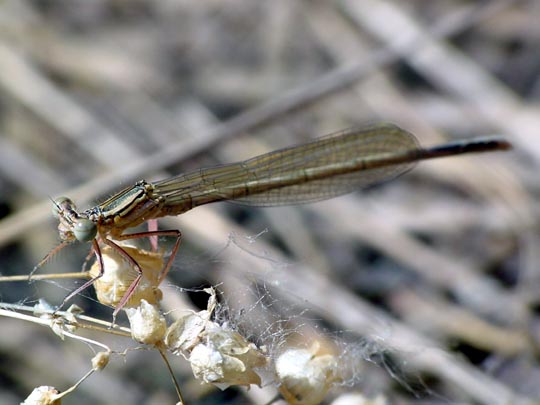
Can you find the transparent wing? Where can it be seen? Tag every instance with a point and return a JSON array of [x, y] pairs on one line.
[[327, 167]]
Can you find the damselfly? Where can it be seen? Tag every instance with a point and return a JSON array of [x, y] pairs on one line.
[[324, 168]]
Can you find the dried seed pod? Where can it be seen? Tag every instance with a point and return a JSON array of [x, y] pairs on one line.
[[43, 395], [217, 354], [119, 275], [305, 375], [147, 324], [100, 360], [226, 358], [185, 333]]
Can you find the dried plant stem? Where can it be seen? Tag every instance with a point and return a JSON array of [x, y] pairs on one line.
[[15, 311], [56, 276], [171, 373]]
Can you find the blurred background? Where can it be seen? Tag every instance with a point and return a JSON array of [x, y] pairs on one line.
[[427, 286]]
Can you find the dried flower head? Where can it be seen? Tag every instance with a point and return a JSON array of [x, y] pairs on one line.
[[100, 360], [185, 333], [226, 358], [217, 355], [147, 324], [43, 395], [119, 275], [305, 375]]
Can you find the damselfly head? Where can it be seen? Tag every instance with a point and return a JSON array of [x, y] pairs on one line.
[[71, 225]]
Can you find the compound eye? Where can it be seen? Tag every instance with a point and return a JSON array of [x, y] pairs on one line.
[[85, 230], [60, 204]]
